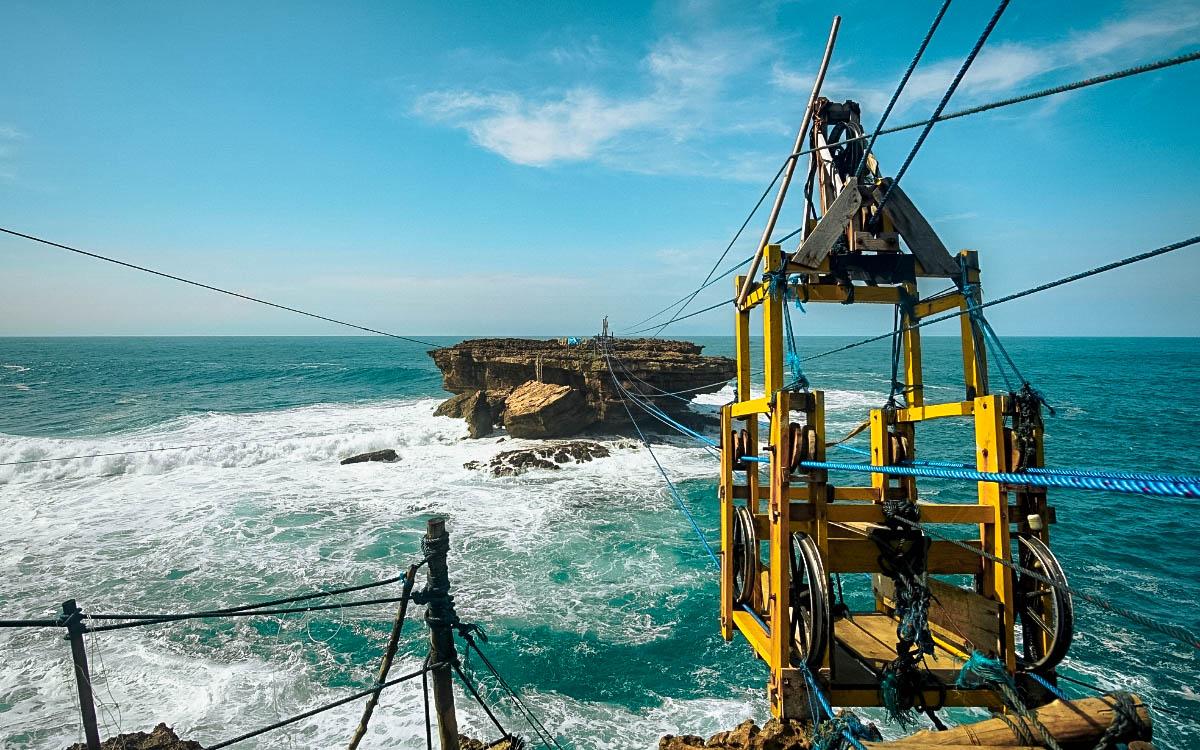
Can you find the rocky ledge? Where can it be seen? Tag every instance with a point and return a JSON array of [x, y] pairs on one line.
[[542, 389], [161, 738], [775, 735]]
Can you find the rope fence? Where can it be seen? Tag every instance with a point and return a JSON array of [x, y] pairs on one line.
[[442, 661]]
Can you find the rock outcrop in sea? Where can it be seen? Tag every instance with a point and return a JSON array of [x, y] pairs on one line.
[[516, 462], [545, 389]]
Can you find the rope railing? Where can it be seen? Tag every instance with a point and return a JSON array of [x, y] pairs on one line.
[[374, 689], [544, 735], [75, 621]]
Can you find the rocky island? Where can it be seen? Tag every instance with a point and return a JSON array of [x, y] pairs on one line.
[[560, 388]]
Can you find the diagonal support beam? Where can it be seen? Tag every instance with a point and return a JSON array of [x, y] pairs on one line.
[[819, 243], [935, 259]]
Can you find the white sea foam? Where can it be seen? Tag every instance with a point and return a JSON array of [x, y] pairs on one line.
[[260, 506], [263, 509]]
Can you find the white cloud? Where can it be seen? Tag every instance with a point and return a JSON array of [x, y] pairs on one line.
[[715, 101], [681, 100], [536, 133], [1003, 67]]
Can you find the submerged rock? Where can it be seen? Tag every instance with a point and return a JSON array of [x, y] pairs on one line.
[[498, 368], [162, 738], [515, 462], [387, 455], [504, 743]]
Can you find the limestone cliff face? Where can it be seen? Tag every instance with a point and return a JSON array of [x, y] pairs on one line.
[[497, 367]]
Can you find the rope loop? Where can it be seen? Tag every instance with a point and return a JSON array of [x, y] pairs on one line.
[[981, 670], [1125, 723]]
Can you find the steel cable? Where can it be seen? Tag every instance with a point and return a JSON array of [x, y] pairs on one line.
[[212, 288], [962, 71]]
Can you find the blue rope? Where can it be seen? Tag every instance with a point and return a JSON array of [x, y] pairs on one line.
[[980, 670], [778, 287], [663, 417], [1182, 487], [852, 449], [670, 485], [1049, 471], [829, 731], [1054, 690]]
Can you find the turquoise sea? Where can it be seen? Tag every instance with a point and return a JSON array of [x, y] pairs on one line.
[[599, 604]]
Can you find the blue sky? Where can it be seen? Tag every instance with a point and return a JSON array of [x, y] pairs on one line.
[[526, 168]]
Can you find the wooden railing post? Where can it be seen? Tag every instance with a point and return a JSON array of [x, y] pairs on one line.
[[439, 616], [72, 618]]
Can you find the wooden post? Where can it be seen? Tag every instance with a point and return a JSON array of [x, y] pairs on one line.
[[438, 616], [389, 655], [73, 619]]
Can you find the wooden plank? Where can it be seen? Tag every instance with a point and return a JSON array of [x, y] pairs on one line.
[[818, 244], [918, 234], [939, 305], [870, 494], [861, 556], [887, 295], [871, 639], [964, 619]]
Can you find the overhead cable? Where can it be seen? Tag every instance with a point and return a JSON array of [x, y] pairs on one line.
[[958, 77], [212, 288]]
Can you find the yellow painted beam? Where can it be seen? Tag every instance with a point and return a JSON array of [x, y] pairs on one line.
[[936, 411], [887, 295], [725, 498], [757, 295], [753, 406], [965, 513], [991, 456], [939, 305], [758, 638], [860, 555]]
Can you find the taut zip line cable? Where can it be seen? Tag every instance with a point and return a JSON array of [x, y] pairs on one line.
[[962, 71], [212, 288], [1017, 295], [686, 299], [1151, 67], [862, 164]]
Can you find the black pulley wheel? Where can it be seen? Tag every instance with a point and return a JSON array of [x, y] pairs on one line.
[[1045, 613], [744, 556], [812, 623]]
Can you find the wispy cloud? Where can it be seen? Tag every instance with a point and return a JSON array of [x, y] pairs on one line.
[[659, 122], [9, 137], [701, 100], [1004, 67]]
